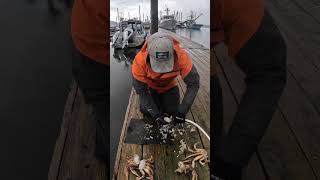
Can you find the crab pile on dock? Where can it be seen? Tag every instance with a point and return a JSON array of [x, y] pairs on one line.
[[188, 164], [140, 168]]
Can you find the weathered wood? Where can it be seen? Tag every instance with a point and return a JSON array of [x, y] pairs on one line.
[[300, 102], [60, 143], [74, 152], [122, 136], [129, 150], [154, 16]]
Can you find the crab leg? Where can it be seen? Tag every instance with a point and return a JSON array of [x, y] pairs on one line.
[[143, 174], [126, 172], [134, 171], [192, 155], [203, 160], [194, 175]]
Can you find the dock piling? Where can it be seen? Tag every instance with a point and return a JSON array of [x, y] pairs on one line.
[[154, 16]]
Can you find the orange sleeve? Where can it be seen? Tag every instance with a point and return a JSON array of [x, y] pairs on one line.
[[185, 64], [138, 72]]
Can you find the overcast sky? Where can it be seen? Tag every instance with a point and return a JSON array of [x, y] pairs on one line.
[[184, 6]]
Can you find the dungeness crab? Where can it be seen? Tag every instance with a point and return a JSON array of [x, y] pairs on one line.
[[140, 168]]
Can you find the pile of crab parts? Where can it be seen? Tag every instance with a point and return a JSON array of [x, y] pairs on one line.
[[144, 168], [140, 168], [188, 164]]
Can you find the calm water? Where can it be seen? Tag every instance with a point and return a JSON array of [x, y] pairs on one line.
[[120, 85], [200, 36]]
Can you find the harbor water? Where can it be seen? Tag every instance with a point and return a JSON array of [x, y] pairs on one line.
[[121, 79]]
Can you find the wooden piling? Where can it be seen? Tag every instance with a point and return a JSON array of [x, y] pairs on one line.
[[154, 16]]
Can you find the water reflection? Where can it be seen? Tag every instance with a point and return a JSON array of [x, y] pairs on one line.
[[126, 56], [120, 88]]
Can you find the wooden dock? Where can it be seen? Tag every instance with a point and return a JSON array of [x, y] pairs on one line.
[[166, 155], [290, 149], [73, 157]]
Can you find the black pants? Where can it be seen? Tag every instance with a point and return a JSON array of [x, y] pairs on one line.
[[263, 60], [166, 102], [93, 80]]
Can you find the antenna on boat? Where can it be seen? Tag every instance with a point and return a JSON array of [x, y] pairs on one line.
[[118, 14]]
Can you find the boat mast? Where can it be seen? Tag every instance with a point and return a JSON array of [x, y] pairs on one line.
[[118, 15], [167, 10]]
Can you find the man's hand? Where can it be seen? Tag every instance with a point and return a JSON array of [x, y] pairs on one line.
[[178, 118], [161, 119]]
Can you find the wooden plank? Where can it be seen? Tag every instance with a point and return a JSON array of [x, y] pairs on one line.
[[122, 136], [304, 122], [304, 75], [299, 20], [129, 150], [283, 141], [78, 161], [60, 143]]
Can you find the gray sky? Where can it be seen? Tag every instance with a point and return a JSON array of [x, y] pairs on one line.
[[184, 6]]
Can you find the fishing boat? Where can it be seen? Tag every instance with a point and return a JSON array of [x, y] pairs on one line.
[[167, 21], [179, 21], [191, 21], [146, 22], [131, 34], [146, 25]]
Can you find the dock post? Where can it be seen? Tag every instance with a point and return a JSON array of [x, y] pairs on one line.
[[154, 16]]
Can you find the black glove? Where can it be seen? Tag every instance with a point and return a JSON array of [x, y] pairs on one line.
[[178, 118], [159, 118]]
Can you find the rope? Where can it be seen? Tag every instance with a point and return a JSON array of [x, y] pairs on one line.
[[199, 127]]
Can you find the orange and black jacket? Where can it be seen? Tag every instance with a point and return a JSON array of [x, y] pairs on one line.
[[89, 24], [235, 22], [144, 78]]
